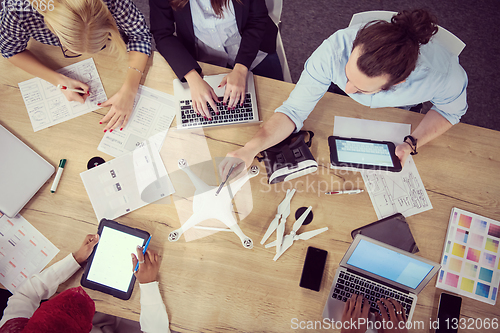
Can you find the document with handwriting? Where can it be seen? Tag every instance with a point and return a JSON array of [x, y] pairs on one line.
[[48, 106], [151, 118]]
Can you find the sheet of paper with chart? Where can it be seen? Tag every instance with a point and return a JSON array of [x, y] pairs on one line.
[[24, 251], [151, 118], [48, 106], [128, 182], [470, 264], [390, 192]]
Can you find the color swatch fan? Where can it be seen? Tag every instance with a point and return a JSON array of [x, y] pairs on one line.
[[470, 261]]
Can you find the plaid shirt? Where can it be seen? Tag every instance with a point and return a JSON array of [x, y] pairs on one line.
[[19, 22]]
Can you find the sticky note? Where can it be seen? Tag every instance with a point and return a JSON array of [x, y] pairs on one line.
[[455, 265], [488, 260], [470, 269], [485, 274], [494, 230], [473, 254], [451, 279], [458, 250], [465, 221], [482, 289], [461, 236], [476, 240], [491, 245], [467, 284]]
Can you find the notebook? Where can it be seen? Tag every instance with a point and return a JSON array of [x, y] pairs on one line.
[[22, 173], [377, 270], [188, 118]]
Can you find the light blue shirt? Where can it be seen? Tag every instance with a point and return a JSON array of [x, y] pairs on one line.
[[438, 77], [217, 39]]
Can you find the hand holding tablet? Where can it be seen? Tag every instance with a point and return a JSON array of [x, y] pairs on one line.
[[86, 249], [109, 269]]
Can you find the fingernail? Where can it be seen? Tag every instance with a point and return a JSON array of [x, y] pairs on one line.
[[100, 122], [121, 129], [98, 104], [105, 131], [111, 130], [138, 246], [218, 86]]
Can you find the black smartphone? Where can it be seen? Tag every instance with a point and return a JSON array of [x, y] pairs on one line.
[[448, 313], [314, 265]]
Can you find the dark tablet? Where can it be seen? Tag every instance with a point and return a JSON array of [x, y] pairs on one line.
[[109, 268], [363, 154]]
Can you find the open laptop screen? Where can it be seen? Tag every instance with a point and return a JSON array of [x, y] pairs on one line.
[[389, 264]]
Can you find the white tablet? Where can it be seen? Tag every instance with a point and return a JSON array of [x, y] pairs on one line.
[[109, 268]]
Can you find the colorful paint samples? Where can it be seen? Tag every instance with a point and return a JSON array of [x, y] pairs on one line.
[[471, 257]]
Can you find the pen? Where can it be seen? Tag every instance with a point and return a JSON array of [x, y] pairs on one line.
[[227, 177], [58, 175], [80, 91], [346, 192], [143, 252]]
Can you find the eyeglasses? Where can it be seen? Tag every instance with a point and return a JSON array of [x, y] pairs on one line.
[[70, 54]]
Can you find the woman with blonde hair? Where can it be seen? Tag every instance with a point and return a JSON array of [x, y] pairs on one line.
[[79, 26]]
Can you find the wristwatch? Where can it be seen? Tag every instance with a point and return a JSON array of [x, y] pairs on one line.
[[413, 144]]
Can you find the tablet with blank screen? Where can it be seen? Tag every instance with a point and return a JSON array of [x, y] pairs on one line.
[[363, 154], [109, 268]]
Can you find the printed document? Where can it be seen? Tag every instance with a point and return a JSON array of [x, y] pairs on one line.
[[47, 105], [390, 192], [128, 182], [152, 114], [24, 251]]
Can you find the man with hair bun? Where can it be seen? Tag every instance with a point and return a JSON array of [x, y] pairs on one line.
[[380, 64]]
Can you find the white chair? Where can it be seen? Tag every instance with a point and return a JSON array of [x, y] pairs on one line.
[[451, 42], [274, 8]]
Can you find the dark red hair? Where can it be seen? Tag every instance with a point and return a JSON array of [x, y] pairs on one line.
[[393, 47]]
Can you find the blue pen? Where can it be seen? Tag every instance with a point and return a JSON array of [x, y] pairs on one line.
[[143, 252]]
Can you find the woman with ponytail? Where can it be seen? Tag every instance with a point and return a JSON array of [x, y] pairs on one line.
[[238, 34], [77, 27], [380, 64]]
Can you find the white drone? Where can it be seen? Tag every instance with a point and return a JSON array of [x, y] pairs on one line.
[[208, 205]]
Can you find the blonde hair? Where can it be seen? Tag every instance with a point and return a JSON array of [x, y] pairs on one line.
[[84, 26]]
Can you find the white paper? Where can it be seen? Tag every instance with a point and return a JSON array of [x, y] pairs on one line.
[[390, 192], [152, 114], [470, 264], [128, 182], [48, 106], [24, 251]]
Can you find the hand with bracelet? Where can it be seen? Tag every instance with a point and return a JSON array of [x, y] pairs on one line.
[[408, 147]]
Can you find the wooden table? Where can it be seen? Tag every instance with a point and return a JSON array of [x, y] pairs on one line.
[[213, 284]]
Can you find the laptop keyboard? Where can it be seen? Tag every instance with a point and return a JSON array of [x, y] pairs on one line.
[[239, 114], [348, 284]]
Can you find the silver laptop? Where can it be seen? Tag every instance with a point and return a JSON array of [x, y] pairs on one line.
[[22, 173], [375, 270], [187, 117]]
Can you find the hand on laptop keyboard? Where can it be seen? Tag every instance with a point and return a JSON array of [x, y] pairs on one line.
[[235, 83], [391, 310], [202, 94], [355, 308]]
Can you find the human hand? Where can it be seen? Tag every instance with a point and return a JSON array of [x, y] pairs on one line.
[[235, 83], [201, 94], [391, 308], [403, 150], [73, 84], [121, 104], [149, 265], [86, 249], [241, 159], [352, 310]]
